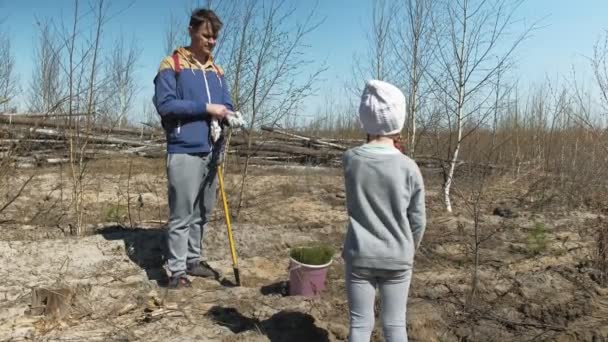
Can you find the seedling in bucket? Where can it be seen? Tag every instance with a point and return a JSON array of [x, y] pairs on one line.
[[308, 269]]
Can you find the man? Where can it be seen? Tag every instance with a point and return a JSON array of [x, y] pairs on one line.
[[193, 100]]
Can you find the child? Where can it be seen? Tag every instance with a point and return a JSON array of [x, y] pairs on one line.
[[386, 217]]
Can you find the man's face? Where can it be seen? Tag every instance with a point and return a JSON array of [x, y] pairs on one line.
[[203, 39]]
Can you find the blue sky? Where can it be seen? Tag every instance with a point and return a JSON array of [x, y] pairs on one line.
[[570, 28]]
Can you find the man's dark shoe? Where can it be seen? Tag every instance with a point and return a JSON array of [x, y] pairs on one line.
[[179, 282], [200, 269]]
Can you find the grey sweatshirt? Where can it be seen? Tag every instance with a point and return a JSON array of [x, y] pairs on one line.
[[385, 204]]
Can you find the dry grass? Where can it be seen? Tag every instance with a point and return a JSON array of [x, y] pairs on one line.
[[286, 207], [601, 255]]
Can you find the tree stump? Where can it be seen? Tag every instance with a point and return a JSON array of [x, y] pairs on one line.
[[53, 303]]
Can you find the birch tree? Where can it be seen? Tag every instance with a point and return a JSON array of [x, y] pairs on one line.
[[473, 44]]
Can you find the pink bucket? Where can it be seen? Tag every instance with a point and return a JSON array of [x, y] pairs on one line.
[[306, 280]]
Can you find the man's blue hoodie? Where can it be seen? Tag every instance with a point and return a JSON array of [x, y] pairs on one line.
[[181, 100]]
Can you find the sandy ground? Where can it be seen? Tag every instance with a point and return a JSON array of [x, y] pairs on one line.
[[536, 275]]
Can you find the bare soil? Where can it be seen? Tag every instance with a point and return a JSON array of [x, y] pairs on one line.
[[537, 276]]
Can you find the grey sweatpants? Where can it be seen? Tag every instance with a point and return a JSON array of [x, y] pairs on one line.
[[361, 291], [192, 186]]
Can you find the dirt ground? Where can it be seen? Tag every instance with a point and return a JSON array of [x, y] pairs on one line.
[[537, 274]]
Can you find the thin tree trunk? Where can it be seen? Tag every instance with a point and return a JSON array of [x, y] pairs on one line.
[[413, 109], [448, 182], [71, 120], [475, 274]]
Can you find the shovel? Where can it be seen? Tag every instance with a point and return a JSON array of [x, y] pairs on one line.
[[235, 265]]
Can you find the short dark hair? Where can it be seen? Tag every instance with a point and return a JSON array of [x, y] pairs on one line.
[[203, 15]]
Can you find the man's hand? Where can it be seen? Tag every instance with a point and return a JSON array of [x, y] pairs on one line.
[[217, 111]]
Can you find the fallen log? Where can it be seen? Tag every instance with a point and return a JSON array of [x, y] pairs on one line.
[[295, 150], [31, 141], [95, 138], [44, 115], [271, 162], [13, 119], [312, 140], [39, 160]]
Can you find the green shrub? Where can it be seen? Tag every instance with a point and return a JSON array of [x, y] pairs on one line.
[[313, 255], [115, 213], [537, 239]]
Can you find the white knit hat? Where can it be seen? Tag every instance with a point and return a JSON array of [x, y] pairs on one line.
[[382, 109]]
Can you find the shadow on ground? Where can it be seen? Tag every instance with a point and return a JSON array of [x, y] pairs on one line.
[[145, 247], [289, 326], [280, 288]]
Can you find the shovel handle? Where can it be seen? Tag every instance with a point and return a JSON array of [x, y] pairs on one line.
[[227, 216]]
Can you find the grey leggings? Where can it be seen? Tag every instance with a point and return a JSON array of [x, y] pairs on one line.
[[361, 291]]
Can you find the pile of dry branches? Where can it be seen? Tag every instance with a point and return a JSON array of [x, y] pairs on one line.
[[31, 140], [276, 146]]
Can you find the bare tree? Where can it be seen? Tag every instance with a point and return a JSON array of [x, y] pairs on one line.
[[412, 48], [174, 34], [599, 66], [8, 77], [261, 47], [599, 62], [11, 187], [151, 118], [72, 83], [45, 90], [472, 47], [399, 52], [378, 60], [383, 15], [265, 64], [120, 89], [82, 80], [592, 117]]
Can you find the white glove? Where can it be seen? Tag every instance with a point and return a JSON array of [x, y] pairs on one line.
[[235, 120], [215, 129]]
